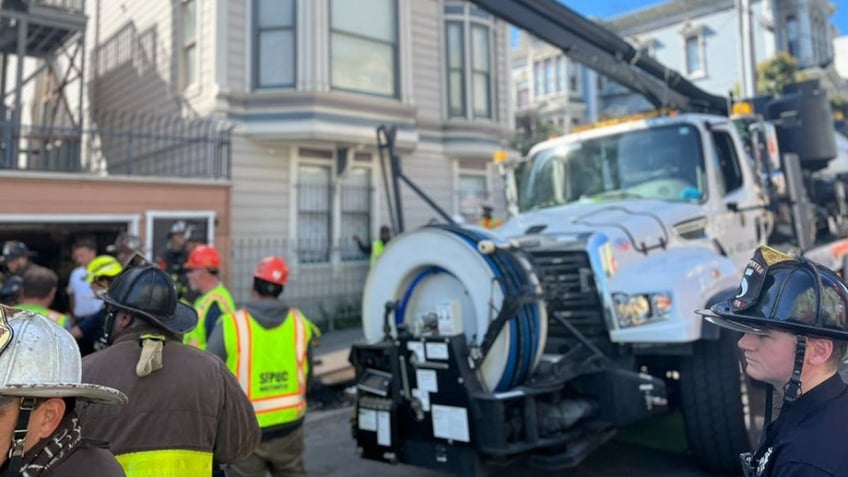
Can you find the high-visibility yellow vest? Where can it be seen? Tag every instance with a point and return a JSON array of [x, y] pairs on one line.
[[61, 319], [270, 364], [166, 463], [490, 223], [220, 295], [376, 250]]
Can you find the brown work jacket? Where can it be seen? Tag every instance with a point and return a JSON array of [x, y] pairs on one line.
[[192, 403]]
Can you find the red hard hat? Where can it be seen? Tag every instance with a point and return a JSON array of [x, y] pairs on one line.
[[203, 256], [273, 270]]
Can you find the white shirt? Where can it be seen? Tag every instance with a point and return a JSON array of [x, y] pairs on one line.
[[85, 303]]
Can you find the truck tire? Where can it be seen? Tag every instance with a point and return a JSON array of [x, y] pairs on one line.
[[722, 408]]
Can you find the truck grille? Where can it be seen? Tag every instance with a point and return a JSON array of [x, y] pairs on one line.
[[570, 292]]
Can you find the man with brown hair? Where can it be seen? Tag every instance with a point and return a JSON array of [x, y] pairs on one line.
[[794, 316], [38, 292]]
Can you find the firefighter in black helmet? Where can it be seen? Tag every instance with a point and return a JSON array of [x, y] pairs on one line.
[[184, 403], [793, 314]]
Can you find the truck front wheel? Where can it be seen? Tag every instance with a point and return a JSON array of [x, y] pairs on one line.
[[722, 408]]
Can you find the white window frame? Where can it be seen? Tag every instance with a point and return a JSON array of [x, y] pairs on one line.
[[189, 87], [335, 258], [468, 21], [697, 33], [152, 215], [253, 57], [458, 172]]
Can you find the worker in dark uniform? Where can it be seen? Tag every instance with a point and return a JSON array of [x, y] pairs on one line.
[[174, 257], [793, 314]]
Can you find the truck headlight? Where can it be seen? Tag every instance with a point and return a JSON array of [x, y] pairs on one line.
[[638, 309]]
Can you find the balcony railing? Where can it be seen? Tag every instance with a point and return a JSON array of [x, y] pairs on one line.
[[122, 143]]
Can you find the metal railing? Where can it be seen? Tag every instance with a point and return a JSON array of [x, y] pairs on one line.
[[122, 143], [330, 294], [75, 6]]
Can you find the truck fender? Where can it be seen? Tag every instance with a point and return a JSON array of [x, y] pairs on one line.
[[692, 275]]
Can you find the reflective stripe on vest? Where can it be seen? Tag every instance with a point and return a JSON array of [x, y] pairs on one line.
[[376, 251], [259, 359], [167, 463], [59, 318], [220, 295]]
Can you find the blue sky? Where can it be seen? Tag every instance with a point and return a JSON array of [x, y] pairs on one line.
[[610, 8]]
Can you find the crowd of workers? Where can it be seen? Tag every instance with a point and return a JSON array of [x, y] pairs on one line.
[[154, 371], [167, 388]]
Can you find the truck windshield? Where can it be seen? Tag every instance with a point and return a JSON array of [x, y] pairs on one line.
[[664, 163]]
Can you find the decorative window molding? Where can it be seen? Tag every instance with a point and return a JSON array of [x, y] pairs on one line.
[[274, 52], [694, 50], [469, 62]]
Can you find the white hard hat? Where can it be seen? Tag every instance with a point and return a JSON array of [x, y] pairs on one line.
[[40, 359]]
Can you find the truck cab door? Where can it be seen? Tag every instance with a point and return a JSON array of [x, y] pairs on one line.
[[740, 221]]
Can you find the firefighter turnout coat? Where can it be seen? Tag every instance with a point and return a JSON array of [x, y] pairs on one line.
[[176, 416]]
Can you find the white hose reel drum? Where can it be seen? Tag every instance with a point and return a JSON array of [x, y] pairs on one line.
[[448, 280]]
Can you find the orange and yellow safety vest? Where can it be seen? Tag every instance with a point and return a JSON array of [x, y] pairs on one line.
[[220, 295], [270, 364]]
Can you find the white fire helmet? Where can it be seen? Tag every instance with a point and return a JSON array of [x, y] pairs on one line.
[[40, 359]]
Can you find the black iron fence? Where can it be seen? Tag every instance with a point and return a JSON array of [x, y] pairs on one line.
[[329, 293], [122, 143]]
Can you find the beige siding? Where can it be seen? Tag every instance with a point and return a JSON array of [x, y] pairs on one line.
[[237, 37], [135, 50], [427, 58], [260, 188], [434, 173]]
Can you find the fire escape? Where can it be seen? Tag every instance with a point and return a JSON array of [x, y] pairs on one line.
[[42, 43], [43, 121]]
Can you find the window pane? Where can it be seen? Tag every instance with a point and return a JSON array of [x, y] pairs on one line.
[[356, 218], [550, 76], [481, 95], [374, 19], [693, 60], [356, 191], [454, 43], [362, 65], [189, 21], [480, 47], [275, 13], [190, 64], [562, 73], [472, 193], [538, 76], [313, 219], [455, 97], [276, 58], [792, 35]]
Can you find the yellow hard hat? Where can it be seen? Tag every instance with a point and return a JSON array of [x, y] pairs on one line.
[[103, 266]]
